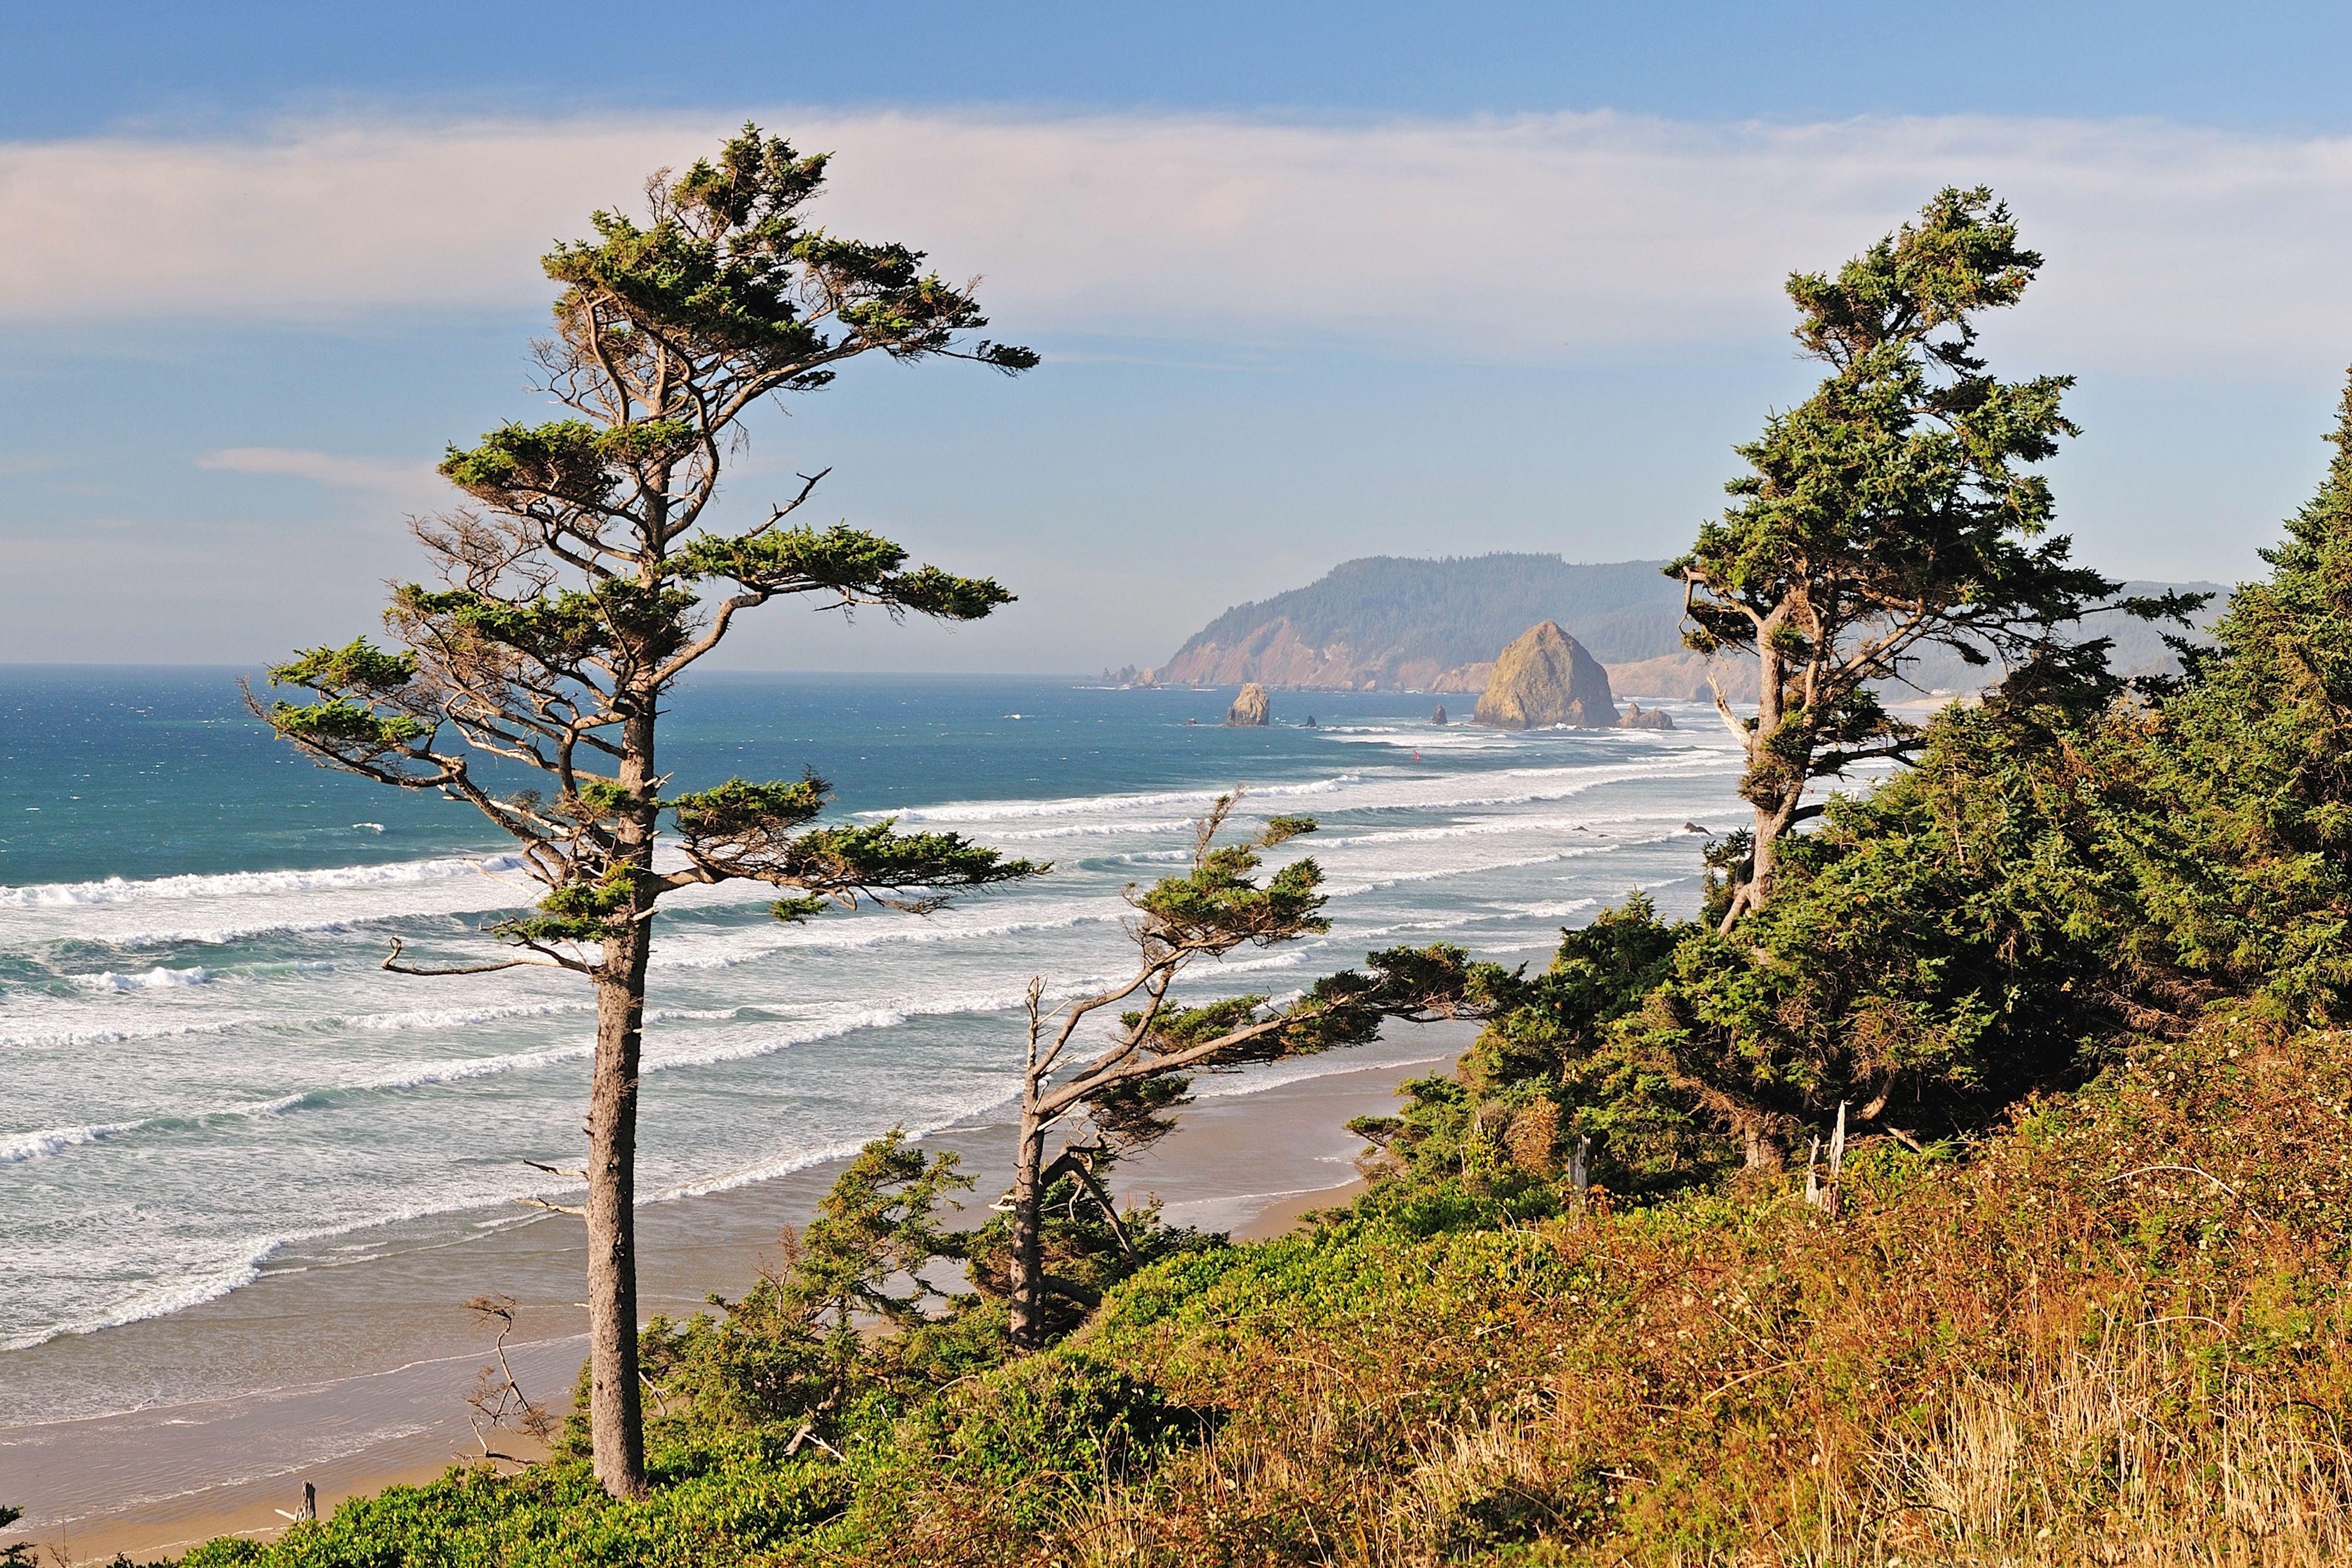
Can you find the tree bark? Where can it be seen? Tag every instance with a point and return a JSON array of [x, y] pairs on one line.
[[615, 1414], [1774, 799], [1026, 1301], [615, 1404]]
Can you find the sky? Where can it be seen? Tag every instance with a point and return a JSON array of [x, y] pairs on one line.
[[1311, 282]]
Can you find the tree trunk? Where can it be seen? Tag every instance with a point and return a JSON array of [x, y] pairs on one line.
[[1764, 859], [1026, 1299], [615, 1412], [615, 1406], [1766, 786]]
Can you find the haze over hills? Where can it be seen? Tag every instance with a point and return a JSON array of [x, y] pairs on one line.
[[1389, 622], [1393, 623]]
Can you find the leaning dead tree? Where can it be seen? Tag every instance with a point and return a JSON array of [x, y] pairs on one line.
[[1123, 1089], [588, 576]]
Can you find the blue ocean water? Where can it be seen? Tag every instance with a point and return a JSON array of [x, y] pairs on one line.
[[211, 1077]]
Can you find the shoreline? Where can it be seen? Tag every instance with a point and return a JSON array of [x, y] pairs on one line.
[[375, 1359]]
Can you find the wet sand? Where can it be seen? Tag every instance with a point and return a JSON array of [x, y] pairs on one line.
[[363, 1369]]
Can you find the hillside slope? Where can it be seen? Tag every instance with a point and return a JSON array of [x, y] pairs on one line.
[[1393, 622]]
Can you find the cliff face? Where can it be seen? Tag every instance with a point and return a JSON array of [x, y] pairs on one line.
[[1273, 655], [1250, 710], [1545, 678]]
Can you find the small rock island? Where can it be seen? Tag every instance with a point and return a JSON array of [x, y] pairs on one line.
[[1251, 710], [1634, 718]]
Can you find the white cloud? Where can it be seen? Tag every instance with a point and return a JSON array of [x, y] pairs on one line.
[[1528, 238], [374, 473]]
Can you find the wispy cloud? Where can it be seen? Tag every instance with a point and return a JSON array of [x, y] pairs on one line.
[[373, 473], [1524, 238]]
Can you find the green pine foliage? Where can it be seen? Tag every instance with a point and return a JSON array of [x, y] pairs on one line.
[[2252, 852]]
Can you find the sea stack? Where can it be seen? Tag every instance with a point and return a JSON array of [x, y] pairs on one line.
[[1250, 710], [1546, 678], [1439, 717], [1634, 718]]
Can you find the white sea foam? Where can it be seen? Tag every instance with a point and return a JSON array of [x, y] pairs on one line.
[[248, 883], [16, 1148], [153, 979], [1093, 831], [228, 935], [175, 1293], [738, 947], [1082, 805], [463, 1018], [70, 1038], [1299, 1070], [767, 1039]]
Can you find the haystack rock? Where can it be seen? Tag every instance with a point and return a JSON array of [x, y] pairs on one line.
[[1634, 718], [1250, 710], [1439, 717], [1546, 678]]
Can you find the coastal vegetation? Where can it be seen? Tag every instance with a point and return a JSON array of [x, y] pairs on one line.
[[570, 601], [1125, 1087], [1896, 507], [2075, 979]]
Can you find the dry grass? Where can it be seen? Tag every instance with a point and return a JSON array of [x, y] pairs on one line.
[[2135, 1453], [2117, 1335]]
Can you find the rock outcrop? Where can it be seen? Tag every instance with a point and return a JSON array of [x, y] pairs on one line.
[[1439, 717], [1634, 718], [1546, 678], [1250, 710]]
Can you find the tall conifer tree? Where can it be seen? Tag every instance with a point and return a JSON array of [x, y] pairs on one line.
[[1893, 508], [2252, 855], [571, 597]]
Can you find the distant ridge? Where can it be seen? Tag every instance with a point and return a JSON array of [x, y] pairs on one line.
[[1396, 623], [1386, 622]]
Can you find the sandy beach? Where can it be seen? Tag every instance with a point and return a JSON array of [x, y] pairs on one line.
[[363, 1370]]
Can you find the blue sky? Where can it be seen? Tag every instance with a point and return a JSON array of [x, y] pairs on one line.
[[1313, 281]]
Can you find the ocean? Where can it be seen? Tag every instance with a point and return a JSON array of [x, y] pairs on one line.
[[210, 1080]]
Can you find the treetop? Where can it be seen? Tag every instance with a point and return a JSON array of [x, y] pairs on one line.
[[1960, 256], [724, 265]]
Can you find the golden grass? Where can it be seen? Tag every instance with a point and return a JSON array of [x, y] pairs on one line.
[[2117, 1335]]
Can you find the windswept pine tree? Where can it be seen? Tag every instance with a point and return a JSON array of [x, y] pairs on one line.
[[1122, 1087], [590, 575], [1894, 509]]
